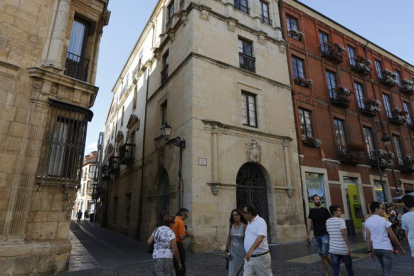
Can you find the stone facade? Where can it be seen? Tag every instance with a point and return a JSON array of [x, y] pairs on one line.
[[43, 118], [344, 169], [186, 69]]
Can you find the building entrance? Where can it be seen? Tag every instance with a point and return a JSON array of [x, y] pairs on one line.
[[163, 199], [252, 189], [353, 201]]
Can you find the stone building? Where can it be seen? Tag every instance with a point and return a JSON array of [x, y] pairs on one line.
[[84, 200], [216, 72], [340, 80], [48, 57]]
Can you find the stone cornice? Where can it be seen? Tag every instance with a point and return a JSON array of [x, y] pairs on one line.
[[9, 65], [244, 130]]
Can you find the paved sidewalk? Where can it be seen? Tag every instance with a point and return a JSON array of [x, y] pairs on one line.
[[80, 258], [120, 255]]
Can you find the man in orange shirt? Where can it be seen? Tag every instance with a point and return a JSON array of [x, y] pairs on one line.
[[180, 235]]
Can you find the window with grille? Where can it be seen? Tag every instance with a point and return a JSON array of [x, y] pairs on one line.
[[398, 149], [298, 68], [249, 109], [242, 5], [387, 104], [246, 59], [378, 68], [351, 54], [324, 39], [408, 115], [369, 142], [340, 135], [265, 15], [305, 123], [359, 91], [62, 158], [331, 81]]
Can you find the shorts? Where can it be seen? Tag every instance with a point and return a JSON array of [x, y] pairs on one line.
[[322, 243]]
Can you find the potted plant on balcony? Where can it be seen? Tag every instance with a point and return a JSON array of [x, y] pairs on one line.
[[303, 82], [388, 78], [341, 96], [408, 164], [335, 52], [352, 154], [362, 65], [386, 158], [311, 141], [295, 34], [399, 117], [407, 87], [371, 107]]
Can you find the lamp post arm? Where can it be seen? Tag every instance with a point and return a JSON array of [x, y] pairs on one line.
[[177, 141]]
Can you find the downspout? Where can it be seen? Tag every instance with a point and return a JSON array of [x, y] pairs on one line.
[[280, 4], [141, 196]]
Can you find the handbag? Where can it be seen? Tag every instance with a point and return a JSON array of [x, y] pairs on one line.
[[150, 248]]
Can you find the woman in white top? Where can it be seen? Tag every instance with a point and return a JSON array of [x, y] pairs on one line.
[[165, 248]]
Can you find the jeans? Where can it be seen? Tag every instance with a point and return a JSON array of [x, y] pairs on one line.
[[336, 264], [322, 243], [386, 259], [181, 251]]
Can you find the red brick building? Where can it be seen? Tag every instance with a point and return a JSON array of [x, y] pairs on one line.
[[339, 80]]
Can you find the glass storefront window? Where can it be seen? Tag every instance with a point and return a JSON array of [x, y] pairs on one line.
[[315, 186], [379, 191]]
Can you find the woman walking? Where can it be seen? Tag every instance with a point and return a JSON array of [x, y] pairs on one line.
[[165, 248], [235, 243]]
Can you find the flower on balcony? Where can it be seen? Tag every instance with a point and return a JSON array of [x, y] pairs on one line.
[[399, 116], [296, 34], [388, 77], [343, 91], [372, 105], [407, 86], [303, 81], [335, 52], [409, 160], [311, 141], [386, 163], [386, 158], [362, 65]]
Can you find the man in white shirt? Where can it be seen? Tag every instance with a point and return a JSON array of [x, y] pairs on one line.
[[257, 256], [408, 221], [338, 241], [379, 245]]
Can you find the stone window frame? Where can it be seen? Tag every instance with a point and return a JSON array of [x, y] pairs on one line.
[[245, 95]]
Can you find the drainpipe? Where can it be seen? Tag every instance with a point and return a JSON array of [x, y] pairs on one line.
[[141, 196]]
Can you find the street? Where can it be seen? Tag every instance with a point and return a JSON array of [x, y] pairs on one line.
[[98, 251]]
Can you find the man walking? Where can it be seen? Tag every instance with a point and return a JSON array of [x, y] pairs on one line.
[[79, 216], [257, 256], [408, 221], [338, 241], [180, 234], [317, 220], [379, 245]]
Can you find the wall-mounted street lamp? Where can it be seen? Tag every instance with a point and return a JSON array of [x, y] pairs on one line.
[[166, 132], [179, 142]]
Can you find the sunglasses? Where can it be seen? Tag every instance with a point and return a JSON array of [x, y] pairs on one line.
[[235, 215]]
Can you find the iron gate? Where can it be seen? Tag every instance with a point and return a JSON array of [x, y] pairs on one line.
[[252, 189]]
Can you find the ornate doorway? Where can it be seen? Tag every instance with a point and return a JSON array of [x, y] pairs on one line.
[[252, 189], [163, 197]]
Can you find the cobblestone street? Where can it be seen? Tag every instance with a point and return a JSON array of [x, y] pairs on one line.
[[97, 251]]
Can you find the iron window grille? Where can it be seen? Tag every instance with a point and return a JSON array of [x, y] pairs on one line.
[[64, 143], [249, 112], [242, 5]]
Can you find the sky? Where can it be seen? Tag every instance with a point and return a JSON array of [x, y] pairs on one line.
[[387, 24]]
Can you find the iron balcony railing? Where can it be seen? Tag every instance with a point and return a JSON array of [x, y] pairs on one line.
[[247, 62], [164, 74], [241, 7], [266, 20], [76, 67], [126, 153]]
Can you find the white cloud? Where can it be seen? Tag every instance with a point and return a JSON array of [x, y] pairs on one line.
[[94, 145]]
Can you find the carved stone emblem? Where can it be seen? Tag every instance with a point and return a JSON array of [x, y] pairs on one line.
[[204, 15], [282, 49], [231, 26], [254, 151], [262, 39]]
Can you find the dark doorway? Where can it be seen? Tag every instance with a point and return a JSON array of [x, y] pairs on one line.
[[163, 202], [252, 189]]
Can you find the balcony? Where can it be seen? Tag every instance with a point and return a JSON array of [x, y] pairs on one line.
[[127, 153], [164, 74], [311, 141], [266, 20], [388, 78], [399, 117], [407, 87], [76, 67], [361, 66], [352, 154], [370, 107], [104, 173], [113, 165], [340, 97], [303, 82], [295, 34], [247, 62], [333, 52]]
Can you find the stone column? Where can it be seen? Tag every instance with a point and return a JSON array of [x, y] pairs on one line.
[[287, 168], [215, 155], [58, 36]]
